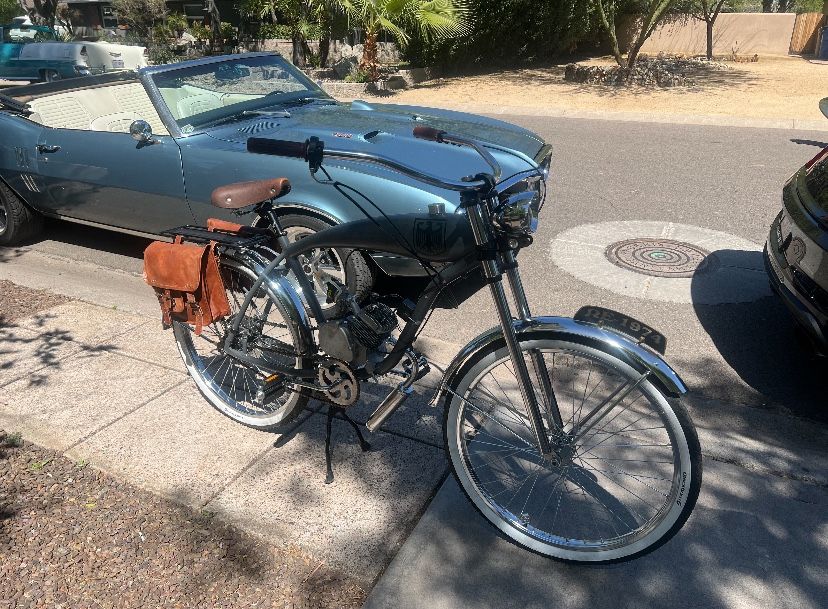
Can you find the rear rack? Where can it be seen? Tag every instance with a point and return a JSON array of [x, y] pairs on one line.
[[247, 237]]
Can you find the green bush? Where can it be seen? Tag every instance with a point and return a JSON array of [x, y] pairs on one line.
[[228, 32], [159, 53], [9, 9], [513, 32], [200, 31], [176, 22], [274, 30], [358, 76]]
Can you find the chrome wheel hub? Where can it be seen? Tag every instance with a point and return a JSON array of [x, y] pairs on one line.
[[320, 266], [4, 219]]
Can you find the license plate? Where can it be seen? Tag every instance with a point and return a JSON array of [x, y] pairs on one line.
[[117, 63], [619, 322]]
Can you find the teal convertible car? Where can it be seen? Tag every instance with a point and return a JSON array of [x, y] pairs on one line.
[[142, 152]]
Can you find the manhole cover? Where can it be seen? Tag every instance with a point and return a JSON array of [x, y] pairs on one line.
[[660, 257]]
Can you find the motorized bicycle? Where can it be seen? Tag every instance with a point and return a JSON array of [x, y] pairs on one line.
[[565, 433]]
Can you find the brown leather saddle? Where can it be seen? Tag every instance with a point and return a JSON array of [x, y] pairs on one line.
[[243, 194]]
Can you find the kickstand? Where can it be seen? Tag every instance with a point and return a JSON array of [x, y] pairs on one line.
[[332, 412]]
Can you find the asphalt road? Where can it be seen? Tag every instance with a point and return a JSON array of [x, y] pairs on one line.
[[722, 178]]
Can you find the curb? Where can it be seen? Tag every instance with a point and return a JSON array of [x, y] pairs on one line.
[[652, 117]]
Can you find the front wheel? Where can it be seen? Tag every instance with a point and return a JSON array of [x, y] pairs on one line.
[[618, 490]]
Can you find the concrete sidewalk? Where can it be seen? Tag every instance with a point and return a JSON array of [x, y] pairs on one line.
[[108, 387]]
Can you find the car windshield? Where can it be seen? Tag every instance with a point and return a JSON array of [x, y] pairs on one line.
[[203, 95]]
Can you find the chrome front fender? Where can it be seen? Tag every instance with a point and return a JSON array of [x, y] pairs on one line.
[[567, 329]]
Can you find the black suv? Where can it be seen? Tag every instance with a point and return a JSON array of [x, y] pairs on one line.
[[796, 253]]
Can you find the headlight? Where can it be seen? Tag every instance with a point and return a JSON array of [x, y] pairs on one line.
[[534, 185], [517, 213]]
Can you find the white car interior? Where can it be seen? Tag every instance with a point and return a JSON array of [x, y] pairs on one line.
[[107, 108]]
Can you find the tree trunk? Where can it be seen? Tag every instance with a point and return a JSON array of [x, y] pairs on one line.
[[324, 50], [709, 23], [370, 53], [609, 29], [298, 51], [767, 6]]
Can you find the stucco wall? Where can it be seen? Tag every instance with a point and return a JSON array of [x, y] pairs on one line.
[[747, 33]]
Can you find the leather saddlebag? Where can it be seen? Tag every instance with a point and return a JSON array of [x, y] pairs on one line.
[[187, 282]]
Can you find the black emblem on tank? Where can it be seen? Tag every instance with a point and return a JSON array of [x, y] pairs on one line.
[[430, 236]]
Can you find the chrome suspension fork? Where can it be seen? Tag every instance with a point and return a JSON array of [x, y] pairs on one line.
[[553, 412], [478, 216]]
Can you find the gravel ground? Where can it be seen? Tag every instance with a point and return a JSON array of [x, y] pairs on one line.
[[72, 536], [772, 88], [17, 302]]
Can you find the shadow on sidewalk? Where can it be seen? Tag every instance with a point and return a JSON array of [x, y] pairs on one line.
[[38, 355], [751, 541]]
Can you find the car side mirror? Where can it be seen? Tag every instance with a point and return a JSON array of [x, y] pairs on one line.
[[141, 132], [823, 106]]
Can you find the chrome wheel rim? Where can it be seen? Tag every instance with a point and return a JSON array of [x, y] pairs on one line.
[[230, 386], [319, 265], [4, 218], [577, 509]]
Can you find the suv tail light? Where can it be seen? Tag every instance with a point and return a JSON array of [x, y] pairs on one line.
[[820, 155]]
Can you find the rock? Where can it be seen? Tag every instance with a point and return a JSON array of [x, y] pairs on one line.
[[661, 71], [345, 66]]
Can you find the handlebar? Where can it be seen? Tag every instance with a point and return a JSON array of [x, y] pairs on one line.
[[262, 145], [313, 151]]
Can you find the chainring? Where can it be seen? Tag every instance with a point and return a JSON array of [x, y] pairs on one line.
[[333, 371]]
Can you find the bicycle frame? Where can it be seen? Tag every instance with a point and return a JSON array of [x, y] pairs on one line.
[[482, 250]]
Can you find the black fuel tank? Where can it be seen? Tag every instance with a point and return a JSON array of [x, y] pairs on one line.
[[432, 237]]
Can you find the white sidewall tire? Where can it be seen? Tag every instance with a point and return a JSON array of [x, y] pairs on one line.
[[663, 530]]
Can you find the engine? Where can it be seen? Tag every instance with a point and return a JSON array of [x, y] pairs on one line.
[[355, 337]]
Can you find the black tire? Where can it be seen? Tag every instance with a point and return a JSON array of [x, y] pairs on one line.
[[18, 221], [50, 76], [359, 275], [595, 486]]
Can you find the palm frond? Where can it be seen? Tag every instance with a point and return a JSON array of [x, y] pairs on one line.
[[443, 18]]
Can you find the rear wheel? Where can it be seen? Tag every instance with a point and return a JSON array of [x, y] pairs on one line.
[[50, 75], [617, 490], [238, 390], [18, 221]]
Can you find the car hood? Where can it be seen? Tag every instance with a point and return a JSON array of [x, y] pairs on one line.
[[386, 130]]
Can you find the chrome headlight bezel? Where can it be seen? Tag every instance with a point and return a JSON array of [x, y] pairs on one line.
[[517, 213]]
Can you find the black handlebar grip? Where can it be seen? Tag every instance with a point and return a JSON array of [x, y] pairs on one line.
[[263, 145], [428, 133]]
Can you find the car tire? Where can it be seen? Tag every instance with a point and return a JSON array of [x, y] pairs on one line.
[[49, 75], [359, 275], [18, 221]]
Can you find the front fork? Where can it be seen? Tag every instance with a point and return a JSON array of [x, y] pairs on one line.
[[493, 267]]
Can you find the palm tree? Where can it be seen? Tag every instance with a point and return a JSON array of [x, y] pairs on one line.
[[434, 18]]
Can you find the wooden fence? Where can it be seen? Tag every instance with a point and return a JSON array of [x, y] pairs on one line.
[[806, 33]]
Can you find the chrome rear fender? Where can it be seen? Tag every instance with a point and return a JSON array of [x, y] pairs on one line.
[[568, 330], [289, 299]]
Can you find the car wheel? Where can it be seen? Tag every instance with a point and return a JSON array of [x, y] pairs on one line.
[[18, 221], [347, 266], [50, 76]]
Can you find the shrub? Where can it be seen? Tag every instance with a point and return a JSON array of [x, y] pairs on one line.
[[513, 31]]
